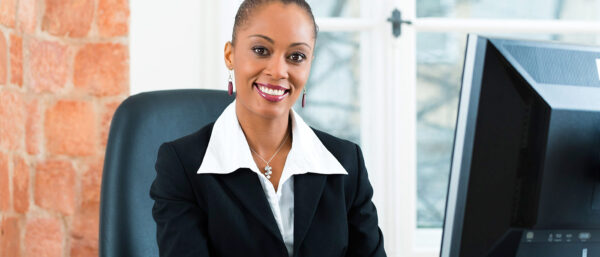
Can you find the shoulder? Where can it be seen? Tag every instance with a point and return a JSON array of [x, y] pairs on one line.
[[335, 144], [346, 152], [350, 157], [190, 149]]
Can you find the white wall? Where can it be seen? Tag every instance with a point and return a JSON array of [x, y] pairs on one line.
[[179, 44]]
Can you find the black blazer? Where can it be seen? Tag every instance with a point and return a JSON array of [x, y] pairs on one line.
[[228, 214]]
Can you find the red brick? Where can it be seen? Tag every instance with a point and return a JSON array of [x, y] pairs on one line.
[[10, 239], [16, 60], [48, 65], [70, 128], [33, 127], [43, 238], [102, 69], [84, 230], [3, 60], [86, 222], [55, 186], [71, 18], [109, 111], [113, 16], [20, 184], [26, 17], [91, 181], [8, 9], [12, 115], [84, 248], [4, 183]]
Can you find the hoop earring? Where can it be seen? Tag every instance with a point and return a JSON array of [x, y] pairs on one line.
[[230, 85], [304, 98]]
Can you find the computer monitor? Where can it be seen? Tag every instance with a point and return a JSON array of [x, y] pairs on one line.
[[525, 172]]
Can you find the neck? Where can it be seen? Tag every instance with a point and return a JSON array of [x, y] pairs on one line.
[[264, 135]]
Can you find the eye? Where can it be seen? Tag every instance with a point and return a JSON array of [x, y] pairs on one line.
[[297, 57], [260, 51]]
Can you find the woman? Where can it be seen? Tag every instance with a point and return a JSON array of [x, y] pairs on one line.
[[259, 181]]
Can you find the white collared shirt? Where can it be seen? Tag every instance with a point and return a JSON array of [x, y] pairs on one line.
[[228, 151]]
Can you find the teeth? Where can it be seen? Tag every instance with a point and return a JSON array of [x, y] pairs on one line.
[[271, 91]]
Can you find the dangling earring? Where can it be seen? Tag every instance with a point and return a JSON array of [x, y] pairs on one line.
[[230, 85], [304, 98]]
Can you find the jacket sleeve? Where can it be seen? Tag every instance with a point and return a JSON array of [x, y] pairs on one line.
[[181, 225], [365, 237]]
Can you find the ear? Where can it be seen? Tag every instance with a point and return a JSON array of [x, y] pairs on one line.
[[228, 54]]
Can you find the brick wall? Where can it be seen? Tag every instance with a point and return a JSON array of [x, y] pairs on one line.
[[64, 68]]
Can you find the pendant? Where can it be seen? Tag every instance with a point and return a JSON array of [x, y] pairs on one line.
[[268, 171]]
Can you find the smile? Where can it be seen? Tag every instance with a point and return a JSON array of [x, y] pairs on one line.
[[270, 92]]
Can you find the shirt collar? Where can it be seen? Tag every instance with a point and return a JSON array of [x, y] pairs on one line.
[[228, 149]]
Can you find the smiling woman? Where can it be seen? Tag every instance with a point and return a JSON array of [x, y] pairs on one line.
[[259, 178]]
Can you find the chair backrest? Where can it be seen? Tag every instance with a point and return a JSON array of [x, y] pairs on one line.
[[140, 124]]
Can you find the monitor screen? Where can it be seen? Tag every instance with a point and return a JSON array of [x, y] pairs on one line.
[[525, 172]]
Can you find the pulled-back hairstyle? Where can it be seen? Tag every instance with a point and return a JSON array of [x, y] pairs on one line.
[[246, 8]]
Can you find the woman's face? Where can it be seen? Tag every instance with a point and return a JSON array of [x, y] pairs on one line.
[[271, 58]]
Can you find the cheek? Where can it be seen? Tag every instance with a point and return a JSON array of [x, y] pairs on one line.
[[300, 75], [246, 66]]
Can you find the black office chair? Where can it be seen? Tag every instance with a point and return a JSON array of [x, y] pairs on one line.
[[140, 124]]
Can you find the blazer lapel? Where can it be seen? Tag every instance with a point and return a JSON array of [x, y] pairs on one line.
[[244, 184], [307, 193]]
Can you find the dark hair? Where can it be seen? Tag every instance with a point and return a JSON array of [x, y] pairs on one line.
[[248, 6]]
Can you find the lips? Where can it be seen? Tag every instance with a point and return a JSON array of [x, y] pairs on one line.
[[272, 93]]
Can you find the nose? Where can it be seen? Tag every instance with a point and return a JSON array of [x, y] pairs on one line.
[[277, 68]]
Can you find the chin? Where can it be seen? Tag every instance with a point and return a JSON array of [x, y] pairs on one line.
[[273, 111]]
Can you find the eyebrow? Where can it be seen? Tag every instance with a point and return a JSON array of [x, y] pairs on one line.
[[273, 42]]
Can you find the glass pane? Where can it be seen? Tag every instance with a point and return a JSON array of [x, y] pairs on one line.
[[332, 98], [439, 69], [511, 9], [335, 8]]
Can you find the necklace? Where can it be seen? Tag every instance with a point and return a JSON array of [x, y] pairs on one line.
[[268, 168]]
